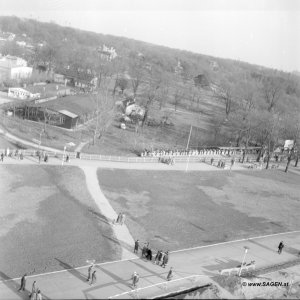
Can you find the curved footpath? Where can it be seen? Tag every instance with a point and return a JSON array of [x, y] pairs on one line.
[[121, 232]]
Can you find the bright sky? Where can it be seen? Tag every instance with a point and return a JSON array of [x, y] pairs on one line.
[[263, 32]]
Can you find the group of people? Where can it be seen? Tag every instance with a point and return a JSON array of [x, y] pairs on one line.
[[42, 156], [35, 291], [167, 160], [18, 154], [161, 152], [161, 258], [120, 219]]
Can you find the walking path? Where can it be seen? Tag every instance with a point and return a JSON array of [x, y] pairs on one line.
[[195, 266], [121, 232]]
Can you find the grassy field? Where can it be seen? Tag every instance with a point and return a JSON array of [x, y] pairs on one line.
[[173, 210], [48, 221]]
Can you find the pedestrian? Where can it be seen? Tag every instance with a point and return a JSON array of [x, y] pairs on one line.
[[135, 279], [136, 246], [90, 269], [280, 247], [33, 289], [39, 295], [94, 278], [67, 158], [39, 158], [157, 257], [123, 217], [21, 156], [212, 161], [23, 283], [119, 218], [170, 274], [149, 254], [165, 259], [2, 157], [145, 249], [232, 163]]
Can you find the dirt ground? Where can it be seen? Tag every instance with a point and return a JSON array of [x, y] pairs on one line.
[[49, 222], [174, 210]]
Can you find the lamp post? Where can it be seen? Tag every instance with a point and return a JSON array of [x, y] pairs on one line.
[[246, 250], [187, 148]]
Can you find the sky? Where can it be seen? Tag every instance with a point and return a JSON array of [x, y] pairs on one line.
[[262, 32]]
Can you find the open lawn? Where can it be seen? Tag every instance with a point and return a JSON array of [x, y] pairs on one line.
[[174, 210], [49, 222]]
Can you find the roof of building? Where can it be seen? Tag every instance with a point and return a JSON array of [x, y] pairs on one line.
[[78, 104], [68, 113], [82, 76]]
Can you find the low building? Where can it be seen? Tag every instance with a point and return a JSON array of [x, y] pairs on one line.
[[201, 80], [69, 120], [83, 80], [12, 67], [22, 94], [107, 53], [134, 109]]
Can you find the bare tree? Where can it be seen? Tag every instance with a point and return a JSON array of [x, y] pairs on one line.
[[271, 90], [178, 96], [224, 93], [293, 132]]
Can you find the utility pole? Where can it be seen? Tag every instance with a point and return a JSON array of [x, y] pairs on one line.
[[187, 147]]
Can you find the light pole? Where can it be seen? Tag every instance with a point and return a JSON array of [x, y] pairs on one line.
[[187, 147], [246, 250]]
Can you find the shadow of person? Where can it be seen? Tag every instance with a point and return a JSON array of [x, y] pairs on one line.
[[14, 286], [71, 270]]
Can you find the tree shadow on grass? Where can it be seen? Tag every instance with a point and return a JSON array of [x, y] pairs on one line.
[[71, 270], [196, 226], [119, 243], [263, 246], [100, 217], [12, 285], [140, 264]]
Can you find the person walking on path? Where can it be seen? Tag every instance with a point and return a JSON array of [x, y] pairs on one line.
[[39, 295], [119, 218], [158, 257], [33, 290], [232, 163], [2, 157], [136, 246], [280, 247], [135, 279], [23, 283], [170, 274], [94, 278], [123, 217], [165, 259], [90, 269]]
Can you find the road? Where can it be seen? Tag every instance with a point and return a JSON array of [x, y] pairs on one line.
[[191, 266]]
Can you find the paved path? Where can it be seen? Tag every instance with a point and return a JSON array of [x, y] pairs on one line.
[[192, 266], [192, 166], [121, 232]]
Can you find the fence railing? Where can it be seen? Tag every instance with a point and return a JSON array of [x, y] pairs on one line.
[[205, 158]]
